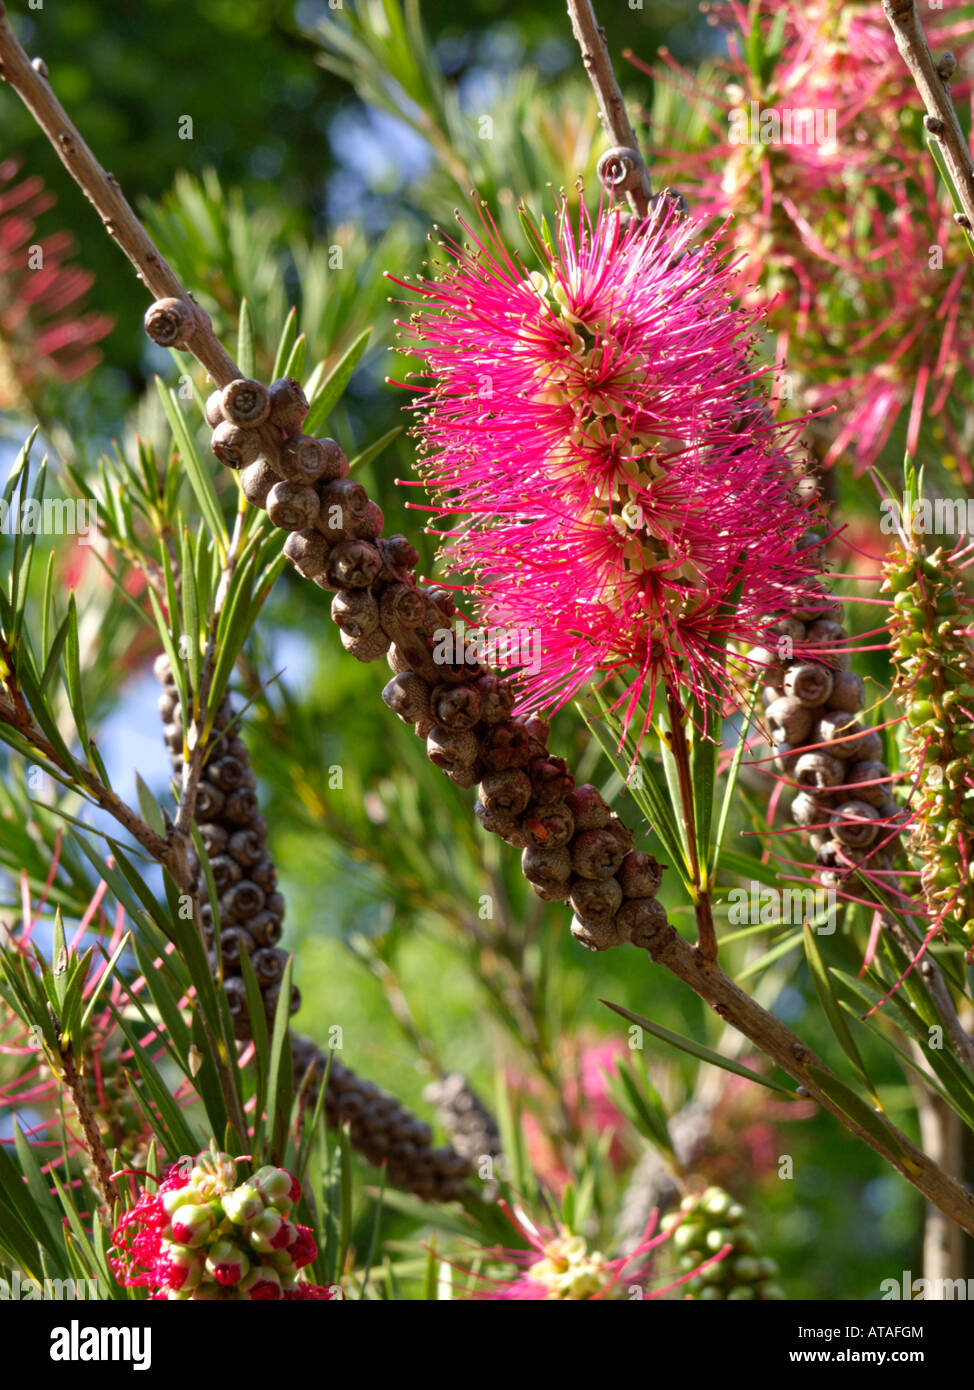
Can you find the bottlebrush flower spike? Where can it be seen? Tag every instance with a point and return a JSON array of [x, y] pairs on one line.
[[559, 1265], [43, 331], [201, 1235], [930, 627], [600, 430]]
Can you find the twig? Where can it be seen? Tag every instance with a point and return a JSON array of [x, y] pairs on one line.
[[622, 167], [670, 950], [941, 121], [91, 1135], [932, 977]]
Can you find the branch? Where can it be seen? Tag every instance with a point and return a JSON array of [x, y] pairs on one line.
[[669, 949], [941, 119], [622, 166]]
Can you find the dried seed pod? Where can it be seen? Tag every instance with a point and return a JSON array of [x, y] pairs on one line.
[[336, 462], [367, 646], [268, 963], [292, 506], [423, 728], [264, 927], [225, 870], [402, 606], [308, 552], [170, 322], [808, 810], [302, 459], [848, 692], [271, 996], [353, 564], [455, 706], [408, 695], [557, 893], [356, 612], [246, 402], [467, 776], [789, 720], [263, 873], [819, 772], [824, 633], [240, 806], [257, 481], [369, 527], [640, 920], [808, 683], [234, 446], [236, 992], [506, 744], [168, 706], [289, 404], [226, 773], [173, 735], [640, 875], [213, 410], [548, 827], [399, 556], [497, 820], [594, 899], [599, 934], [876, 774], [548, 868], [209, 801], [247, 846], [496, 698], [597, 853], [241, 901], [621, 831], [550, 779], [854, 824], [451, 749], [215, 837], [846, 737], [234, 942], [589, 808], [788, 627], [343, 503]]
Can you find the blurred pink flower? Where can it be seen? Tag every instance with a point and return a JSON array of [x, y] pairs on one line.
[[598, 429], [44, 330]]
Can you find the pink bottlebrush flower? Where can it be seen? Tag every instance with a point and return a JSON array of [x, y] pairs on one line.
[[559, 1265], [599, 430], [816, 128], [43, 330]]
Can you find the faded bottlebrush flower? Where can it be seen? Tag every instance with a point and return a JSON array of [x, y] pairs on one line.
[[598, 428], [817, 129], [43, 329], [203, 1235], [560, 1265], [930, 626]]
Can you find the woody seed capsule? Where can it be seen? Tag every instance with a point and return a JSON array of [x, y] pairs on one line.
[[170, 322], [600, 934], [289, 404], [307, 551], [369, 527], [597, 853], [292, 506], [367, 646], [548, 868], [408, 696], [352, 565], [496, 698], [342, 504], [853, 824], [594, 899], [640, 920], [848, 692], [257, 481], [356, 612], [451, 749], [455, 706], [808, 683], [789, 720], [246, 402], [302, 459], [588, 807], [550, 779], [548, 827], [402, 606], [876, 773], [819, 772], [233, 446], [640, 875]]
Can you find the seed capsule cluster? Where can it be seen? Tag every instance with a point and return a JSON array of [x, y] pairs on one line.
[[709, 1223], [251, 910], [464, 1117], [812, 702], [935, 687], [382, 1129], [573, 847]]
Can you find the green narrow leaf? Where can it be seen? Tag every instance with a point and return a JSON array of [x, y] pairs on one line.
[[330, 391], [852, 1105], [830, 1005], [199, 477], [245, 340], [695, 1049], [285, 344], [731, 783]]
